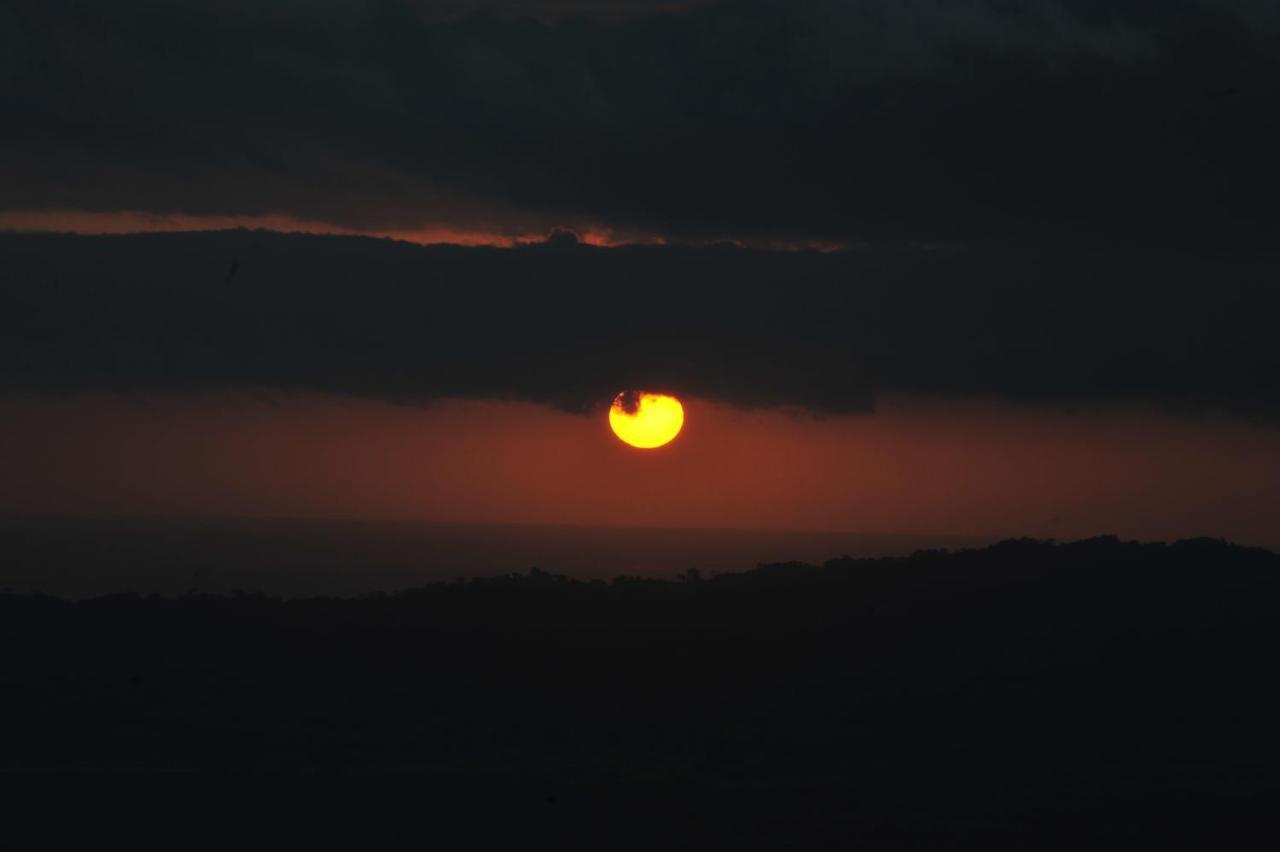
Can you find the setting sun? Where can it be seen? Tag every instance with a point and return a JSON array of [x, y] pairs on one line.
[[646, 420]]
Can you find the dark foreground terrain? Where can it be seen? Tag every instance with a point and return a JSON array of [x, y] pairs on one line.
[[1027, 696]]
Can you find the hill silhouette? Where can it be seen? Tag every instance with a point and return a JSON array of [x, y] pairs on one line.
[[1030, 695]]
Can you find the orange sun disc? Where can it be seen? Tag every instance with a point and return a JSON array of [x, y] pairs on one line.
[[646, 420]]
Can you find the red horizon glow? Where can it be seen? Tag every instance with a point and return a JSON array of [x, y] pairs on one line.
[[915, 467]]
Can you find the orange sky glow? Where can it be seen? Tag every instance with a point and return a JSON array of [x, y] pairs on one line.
[[916, 466]]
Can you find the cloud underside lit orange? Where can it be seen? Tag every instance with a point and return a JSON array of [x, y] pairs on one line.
[[93, 222]]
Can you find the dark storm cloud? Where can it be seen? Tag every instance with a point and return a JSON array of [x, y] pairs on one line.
[[1104, 174], [851, 120], [571, 325]]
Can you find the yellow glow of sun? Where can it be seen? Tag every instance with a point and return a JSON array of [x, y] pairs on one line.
[[646, 420]]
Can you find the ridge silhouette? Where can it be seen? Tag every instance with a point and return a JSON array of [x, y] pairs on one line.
[[1026, 695]]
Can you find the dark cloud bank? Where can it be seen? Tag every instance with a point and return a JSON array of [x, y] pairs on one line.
[[812, 119], [571, 325], [1104, 174]]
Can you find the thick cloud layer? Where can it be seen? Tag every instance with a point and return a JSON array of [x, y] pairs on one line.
[[814, 119], [572, 325]]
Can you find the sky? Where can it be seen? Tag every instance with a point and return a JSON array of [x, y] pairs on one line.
[[972, 267], [976, 469]]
